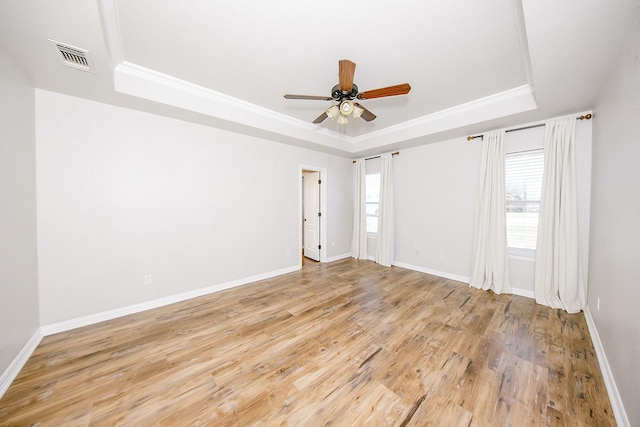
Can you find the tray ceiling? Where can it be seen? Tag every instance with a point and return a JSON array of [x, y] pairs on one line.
[[471, 65]]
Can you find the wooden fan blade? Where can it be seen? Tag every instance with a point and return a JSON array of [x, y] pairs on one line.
[[366, 114], [402, 89], [321, 118], [346, 70], [320, 98]]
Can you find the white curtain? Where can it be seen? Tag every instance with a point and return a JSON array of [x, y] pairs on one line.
[[359, 238], [558, 279], [386, 224], [490, 269]]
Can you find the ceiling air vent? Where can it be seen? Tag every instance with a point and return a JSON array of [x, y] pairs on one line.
[[72, 56]]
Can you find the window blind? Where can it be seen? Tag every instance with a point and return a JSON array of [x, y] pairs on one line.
[[523, 181]]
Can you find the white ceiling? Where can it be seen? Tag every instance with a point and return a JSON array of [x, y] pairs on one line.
[[473, 66]]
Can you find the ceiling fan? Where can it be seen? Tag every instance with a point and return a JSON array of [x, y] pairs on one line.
[[345, 92]]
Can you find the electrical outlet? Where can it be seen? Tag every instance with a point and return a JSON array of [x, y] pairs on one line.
[[417, 251], [147, 279]]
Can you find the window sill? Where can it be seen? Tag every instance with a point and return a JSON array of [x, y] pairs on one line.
[[523, 258], [522, 254]]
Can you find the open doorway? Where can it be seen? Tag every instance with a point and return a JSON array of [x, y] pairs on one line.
[[312, 214]]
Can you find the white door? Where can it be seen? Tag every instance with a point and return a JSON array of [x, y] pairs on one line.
[[312, 215]]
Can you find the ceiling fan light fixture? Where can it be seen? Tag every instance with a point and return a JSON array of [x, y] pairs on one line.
[[342, 120], [357, 112], [332, 112], [346, 107]]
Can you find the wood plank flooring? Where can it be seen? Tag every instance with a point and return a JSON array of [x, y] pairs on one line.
[[347, 343]]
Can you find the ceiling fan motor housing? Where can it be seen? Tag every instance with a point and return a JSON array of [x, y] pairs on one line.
[[339, 95]]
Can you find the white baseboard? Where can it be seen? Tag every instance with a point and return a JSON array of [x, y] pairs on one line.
[[338, 257], [160, 302], [523, 293], [614, 395], [463, 279], [444, 274], [15, 367]]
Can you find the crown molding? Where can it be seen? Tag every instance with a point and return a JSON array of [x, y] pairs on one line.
[[512, 101], [132, 79], [111, 25], [145, 83], [138, 81], [524, 41]]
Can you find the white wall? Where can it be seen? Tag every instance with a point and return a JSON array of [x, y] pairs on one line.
[[18, 263], [435, 190], [615, 222], [122, 194]]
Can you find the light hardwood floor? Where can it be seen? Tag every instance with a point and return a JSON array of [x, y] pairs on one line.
[[344, 344]]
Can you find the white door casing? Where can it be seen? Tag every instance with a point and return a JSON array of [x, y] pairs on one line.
[[311, 215]]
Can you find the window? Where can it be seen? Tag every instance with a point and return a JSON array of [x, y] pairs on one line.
[[372, 199], [523, 180]]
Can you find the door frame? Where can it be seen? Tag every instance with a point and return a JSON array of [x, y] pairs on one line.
[[323, 209]]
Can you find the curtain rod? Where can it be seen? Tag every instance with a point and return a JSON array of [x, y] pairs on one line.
[[377, 157], [469, 138]]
